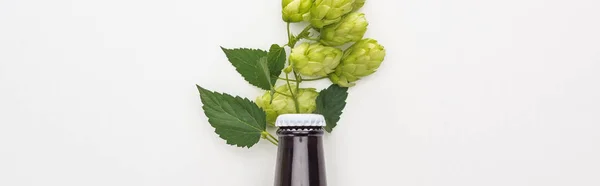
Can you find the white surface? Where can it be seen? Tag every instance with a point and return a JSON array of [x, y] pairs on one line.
[[473, 93]]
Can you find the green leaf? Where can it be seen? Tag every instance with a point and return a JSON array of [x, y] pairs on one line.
[[237, 120], [263, 69], [276, 58], [330, 103], [246, 62], [249, 63]]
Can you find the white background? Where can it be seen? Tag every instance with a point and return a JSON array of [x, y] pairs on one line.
[[472, 93]]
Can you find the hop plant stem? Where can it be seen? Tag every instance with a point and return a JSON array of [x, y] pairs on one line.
[[302, 35], [302, 79], [283, 93], [273, 137], [272, 140], [287, 78], [291, 43], [269, 137], [297, 77], [315, 79], [294, 96], [290, 37]]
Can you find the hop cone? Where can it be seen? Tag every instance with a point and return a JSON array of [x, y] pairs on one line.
[[315, 59], [360, 60], [282, 104], [358, 4], [326, 12], [350, 29], [295, 10]]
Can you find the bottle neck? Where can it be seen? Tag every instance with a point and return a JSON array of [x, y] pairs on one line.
[[300, 160]]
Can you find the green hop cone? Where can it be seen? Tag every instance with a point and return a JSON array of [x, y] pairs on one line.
[[295, 10], [326, 12], [360, 60], [315, 59], [358, 4], [283, 104], [351, 28]]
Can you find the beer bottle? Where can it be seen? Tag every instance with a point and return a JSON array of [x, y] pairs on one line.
[[300, 160]]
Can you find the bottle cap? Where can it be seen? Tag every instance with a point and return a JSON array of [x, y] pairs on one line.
[[300, 120]]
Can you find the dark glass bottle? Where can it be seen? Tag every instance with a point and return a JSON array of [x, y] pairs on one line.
[[300, 160]]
